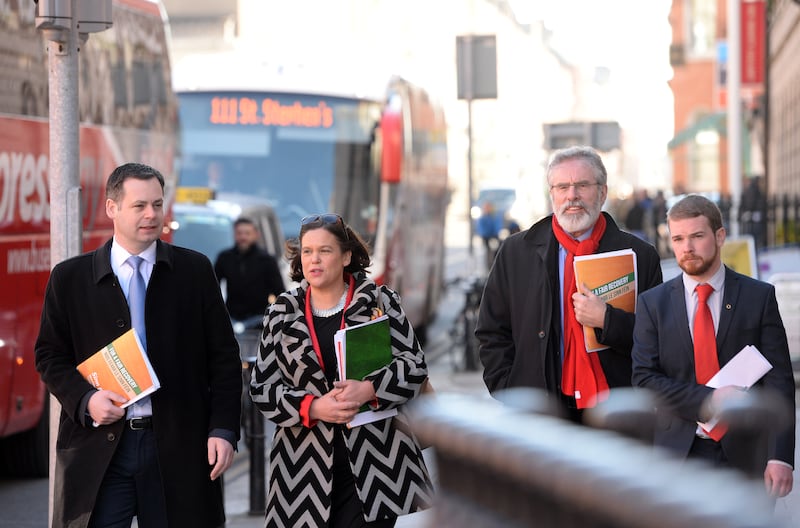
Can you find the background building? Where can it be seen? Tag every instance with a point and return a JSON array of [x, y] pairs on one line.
[[783, 114]]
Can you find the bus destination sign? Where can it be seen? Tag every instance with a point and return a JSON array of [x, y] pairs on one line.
[[269, 112]]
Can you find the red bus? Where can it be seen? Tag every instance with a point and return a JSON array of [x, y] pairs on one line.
[[378, 158], [128, 112]]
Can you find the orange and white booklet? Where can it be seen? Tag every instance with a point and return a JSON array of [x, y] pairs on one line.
[[612, 277], [122, 367]]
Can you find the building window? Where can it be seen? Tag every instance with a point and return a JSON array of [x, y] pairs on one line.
[[705, 169], [702, 27]]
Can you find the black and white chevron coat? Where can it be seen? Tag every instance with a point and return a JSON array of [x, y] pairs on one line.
[[390, 473]]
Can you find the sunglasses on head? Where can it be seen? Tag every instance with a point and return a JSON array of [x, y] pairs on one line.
[[324, 219]]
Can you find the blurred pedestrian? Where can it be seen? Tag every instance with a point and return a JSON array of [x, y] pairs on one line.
[[638, 215], [159, 459], [488, 227], [694, 324], [323, 473], [252, 277], [659, 218], [531, 315]]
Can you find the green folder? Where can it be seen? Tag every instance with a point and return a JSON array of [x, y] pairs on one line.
[[363, 349]]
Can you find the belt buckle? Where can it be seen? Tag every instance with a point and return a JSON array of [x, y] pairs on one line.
[[138, 424]]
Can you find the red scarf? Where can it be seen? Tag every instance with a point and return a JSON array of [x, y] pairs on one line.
[[582, 375]]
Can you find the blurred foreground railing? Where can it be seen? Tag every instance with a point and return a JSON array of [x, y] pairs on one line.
[[504, 465]]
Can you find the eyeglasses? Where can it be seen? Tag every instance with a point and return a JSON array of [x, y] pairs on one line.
[[325, 219], [580, 187]]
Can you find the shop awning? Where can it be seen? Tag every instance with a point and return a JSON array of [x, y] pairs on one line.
[[716, 121]]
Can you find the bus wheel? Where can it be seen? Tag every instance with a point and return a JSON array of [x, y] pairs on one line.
[[27, 454]]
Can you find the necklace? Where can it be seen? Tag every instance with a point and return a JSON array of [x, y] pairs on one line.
[[336, 309]]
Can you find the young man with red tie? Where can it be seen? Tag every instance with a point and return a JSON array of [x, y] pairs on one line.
[[689, 327]]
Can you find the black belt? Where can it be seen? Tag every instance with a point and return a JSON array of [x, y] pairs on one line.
[[138, 424]]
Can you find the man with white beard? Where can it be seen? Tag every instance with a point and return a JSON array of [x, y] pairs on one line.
[[530, 325]]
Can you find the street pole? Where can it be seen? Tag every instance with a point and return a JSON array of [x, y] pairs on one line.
[[734, 82], [66, 25], [469, 93], [63, 171]]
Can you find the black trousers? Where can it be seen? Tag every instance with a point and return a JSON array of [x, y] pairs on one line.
[[132, 485]]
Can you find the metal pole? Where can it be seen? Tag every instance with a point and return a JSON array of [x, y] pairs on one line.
[[258, 488], [469, 177], [255, 443], [734, 82], [64, 175], [469, 89]]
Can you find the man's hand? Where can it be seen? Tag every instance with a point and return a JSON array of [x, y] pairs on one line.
[[103, 409], [778, 479], [220, 455], [715, 403], [333, 408], [590, 310]]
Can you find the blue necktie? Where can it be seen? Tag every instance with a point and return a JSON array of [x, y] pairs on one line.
[[136, 293]]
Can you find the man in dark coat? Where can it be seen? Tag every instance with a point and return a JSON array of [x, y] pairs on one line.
[[253, 279], [531, 330], [672, 358], [158, 459]]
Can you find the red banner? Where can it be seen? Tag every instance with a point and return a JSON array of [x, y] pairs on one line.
[[753, 20]]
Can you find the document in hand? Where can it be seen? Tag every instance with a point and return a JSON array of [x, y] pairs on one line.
[[612, 277], [122, 367], [361, 350], [743, 370]]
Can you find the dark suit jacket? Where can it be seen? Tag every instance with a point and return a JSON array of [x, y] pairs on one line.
[[663, 361], [519, 326], [193, 351]]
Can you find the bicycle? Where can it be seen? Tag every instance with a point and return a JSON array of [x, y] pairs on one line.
[[462, 330]]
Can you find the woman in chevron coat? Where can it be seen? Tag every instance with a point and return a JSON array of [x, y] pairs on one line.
[[322, 473]]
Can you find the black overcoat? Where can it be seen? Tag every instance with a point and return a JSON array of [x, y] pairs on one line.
[[519, 324], [191, 345]]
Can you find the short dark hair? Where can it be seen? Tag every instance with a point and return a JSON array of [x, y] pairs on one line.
[[244, 220], [140, 171], [588, 155], [694, 205], [347, 238]]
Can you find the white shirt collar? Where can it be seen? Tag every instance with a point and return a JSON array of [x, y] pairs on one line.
[[119, 255]]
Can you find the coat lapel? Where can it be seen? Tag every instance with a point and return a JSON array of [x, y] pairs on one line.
[[677, 299], [729, 300]]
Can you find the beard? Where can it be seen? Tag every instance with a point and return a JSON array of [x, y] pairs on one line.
[[580, 222], [695, 265]]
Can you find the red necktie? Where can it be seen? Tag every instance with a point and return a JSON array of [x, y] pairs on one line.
[[706, 363]]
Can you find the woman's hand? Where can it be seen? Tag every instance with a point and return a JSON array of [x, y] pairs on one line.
[[333, 407], [360, 391]]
